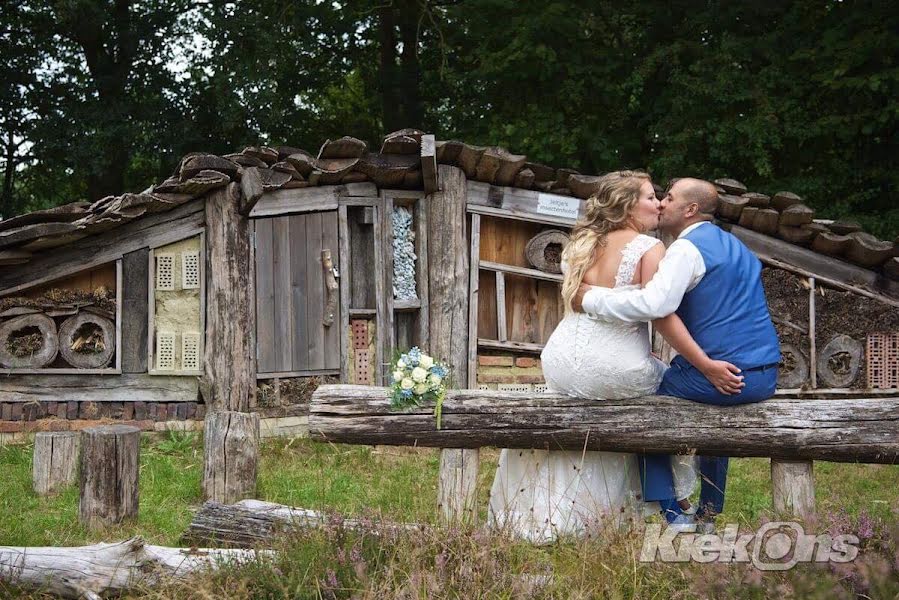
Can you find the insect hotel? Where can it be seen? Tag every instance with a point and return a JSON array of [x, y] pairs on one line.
[[232, 290]]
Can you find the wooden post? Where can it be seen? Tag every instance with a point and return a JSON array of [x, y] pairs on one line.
[[228, 385], [812, 348], [110, 458], [55, 459], [448, 335], [793, 487], [229, 365], [231, 454]]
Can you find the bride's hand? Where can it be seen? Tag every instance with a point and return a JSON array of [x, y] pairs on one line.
[[724, 376]]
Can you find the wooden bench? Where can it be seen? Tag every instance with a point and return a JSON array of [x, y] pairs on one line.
[[791, 432]]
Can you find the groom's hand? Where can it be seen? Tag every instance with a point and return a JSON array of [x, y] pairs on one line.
[[577, 303], [724, 376]]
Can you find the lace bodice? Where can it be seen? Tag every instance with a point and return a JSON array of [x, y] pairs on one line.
[[631, 254]]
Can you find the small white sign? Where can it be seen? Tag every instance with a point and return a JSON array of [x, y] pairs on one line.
[[558, 206]]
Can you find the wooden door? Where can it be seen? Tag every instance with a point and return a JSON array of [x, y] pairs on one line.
[[292, 295]]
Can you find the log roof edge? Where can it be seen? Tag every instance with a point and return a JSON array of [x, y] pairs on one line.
[[399, 165]]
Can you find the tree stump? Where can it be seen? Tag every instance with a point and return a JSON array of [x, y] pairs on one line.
[[18, 335], [231, 451], [54, 462], [793, 487], [87, 341], [110, 458]]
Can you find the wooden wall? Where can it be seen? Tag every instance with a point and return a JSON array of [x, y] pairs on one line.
[[533, 308]]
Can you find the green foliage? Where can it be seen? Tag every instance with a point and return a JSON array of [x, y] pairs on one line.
[[799, 95]]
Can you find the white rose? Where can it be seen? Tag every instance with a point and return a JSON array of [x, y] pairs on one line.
[[419, 374], [400, 364], [421, 388], [426, 362], [397, 376], [435, 379], [407, 384]]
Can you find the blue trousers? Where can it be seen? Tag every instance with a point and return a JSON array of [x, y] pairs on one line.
[[682, 380]]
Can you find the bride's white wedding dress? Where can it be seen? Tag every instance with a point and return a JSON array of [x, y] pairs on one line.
[[540, 494]]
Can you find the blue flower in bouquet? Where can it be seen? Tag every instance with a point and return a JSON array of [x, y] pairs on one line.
[[418, 378]]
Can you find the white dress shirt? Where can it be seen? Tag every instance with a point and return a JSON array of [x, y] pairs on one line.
[[680, 270]]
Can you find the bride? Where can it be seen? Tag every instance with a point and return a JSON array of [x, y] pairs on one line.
[[540, 494]]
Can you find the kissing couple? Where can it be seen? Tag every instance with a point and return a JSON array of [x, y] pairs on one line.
[[704, 295]]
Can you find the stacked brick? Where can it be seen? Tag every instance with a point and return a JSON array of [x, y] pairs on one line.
[[510, 373], [65, 416]]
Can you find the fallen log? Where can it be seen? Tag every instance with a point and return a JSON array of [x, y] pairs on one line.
[[102, 570], [253, 523], [848, 430]]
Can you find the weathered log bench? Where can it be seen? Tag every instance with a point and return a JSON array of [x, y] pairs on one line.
[[792, 432]]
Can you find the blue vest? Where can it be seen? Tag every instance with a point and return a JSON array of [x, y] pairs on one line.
[[727, 313]]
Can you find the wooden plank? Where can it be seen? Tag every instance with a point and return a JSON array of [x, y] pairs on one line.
[[812, 352], [359, 189], [473, 279], [363, 312], [362, 265], [362, 201], [520, 271], [513, 346], [859, 430], [118, 314], [380, 297], [550, 310], [501, 332], [333, 333], [284, 326], [406, 305], [308, 199], [265, 296], [824, 269], [315, 301], [90, 252], [60, 371], [151, 309], [134, 293], [251, 292], [421, 271], [299, 290], [83, 387], [513, 202], [343, 234], [301, 373], [429, 163], [388, 334], [487, 327]]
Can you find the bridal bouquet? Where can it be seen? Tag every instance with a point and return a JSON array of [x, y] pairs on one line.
[[418, 378]]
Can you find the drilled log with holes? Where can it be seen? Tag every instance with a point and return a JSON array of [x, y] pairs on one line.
[[103, 570], [849, 430]]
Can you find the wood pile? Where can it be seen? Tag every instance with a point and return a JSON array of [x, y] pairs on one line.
[[786, 216], [407, 159], [30, 336]]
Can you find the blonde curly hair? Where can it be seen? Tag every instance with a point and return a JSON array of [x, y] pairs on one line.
[[608, 209]]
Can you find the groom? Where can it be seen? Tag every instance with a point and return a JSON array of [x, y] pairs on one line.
[[714, 284]]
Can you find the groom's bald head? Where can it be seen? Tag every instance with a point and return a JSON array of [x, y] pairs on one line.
[[687, 201]]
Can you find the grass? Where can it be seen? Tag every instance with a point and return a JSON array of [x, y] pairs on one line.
[[399, 484]]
